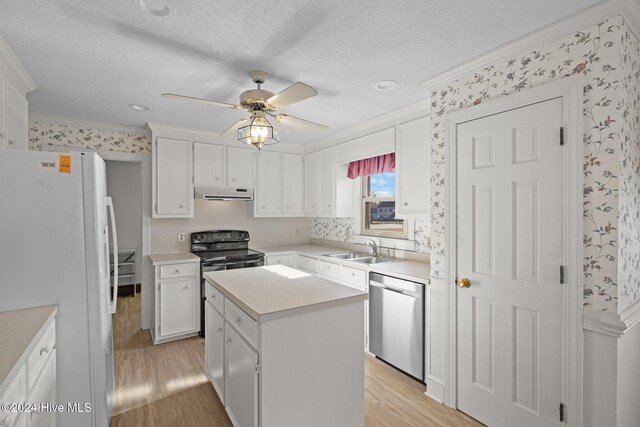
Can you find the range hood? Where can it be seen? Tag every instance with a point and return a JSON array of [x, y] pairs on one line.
[[222, 193]]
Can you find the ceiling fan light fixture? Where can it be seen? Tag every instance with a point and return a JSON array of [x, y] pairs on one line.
[[258, 132]]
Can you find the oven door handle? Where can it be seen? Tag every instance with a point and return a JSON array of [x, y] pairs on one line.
[[220, 264]]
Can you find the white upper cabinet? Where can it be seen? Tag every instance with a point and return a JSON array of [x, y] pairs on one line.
[[268, 194], [240, 167], [311, 184], [327, 182], [413, 167], [209, 165], [172, 162], [15, 83], [292, 185]]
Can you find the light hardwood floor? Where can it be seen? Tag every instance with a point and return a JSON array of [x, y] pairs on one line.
[[165, 385]]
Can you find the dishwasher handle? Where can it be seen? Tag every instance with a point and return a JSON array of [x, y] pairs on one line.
[[398, 290]]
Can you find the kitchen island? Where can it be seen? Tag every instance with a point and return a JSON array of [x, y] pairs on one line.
[[285, 347]]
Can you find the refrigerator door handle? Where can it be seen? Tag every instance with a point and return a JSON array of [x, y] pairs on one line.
[[114, 237]]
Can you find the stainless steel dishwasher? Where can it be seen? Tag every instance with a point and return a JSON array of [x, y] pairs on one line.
[[396, 323]]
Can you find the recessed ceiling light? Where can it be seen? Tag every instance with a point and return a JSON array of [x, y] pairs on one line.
[[153, 7], [385, 85], [138, 107]]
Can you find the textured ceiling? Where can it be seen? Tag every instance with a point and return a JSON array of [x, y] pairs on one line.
[[91, 58]]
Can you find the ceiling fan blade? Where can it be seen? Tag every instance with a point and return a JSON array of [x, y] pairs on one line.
[[234, 127], [201, 101], [298, 122], [295, 93]]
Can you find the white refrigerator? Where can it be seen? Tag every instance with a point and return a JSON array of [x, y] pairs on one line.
[[56, 225]]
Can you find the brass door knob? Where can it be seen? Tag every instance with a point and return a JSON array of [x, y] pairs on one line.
[[464, 283]]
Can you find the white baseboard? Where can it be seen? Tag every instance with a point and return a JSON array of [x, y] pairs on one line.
[[435, 391]]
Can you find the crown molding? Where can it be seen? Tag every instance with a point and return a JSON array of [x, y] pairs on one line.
[[11, 66], [612, 324], [590, 16], [67, 121], [631, 15], [408, 112]]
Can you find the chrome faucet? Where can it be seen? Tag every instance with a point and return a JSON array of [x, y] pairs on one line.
[[374, 247]]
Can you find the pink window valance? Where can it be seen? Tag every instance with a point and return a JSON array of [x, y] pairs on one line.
[[372, 166]]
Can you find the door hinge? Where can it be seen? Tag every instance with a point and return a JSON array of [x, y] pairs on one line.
[[257, 368], [562, 274], [158, 288], [561, 135], [562, 414]]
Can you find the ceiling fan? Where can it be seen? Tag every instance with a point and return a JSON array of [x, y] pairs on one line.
[[256, 129]]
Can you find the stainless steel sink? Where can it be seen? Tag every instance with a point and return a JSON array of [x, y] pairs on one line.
[[372, 260], [360, 258], [348, 255]]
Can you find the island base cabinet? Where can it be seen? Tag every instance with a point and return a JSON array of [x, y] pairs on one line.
[[312, 369], [214, 348], [241, 380]]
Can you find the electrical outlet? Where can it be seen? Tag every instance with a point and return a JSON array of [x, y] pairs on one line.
[[181, 237]]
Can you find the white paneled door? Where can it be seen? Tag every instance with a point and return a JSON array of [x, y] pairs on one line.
[[510, 238]]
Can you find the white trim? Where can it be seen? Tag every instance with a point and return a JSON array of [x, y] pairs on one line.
[[571, 92], [612, 324], [631, 15], [68, 121], [386, 120], [10, 65], [585, 18]]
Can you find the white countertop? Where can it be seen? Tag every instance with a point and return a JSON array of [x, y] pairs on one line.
[[161, 259], [409, 270], [19, 332], [277, 291]]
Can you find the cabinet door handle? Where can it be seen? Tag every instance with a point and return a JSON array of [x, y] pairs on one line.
[[185, 287], [220, 330], [229, 340], [238, 321], [2, 135], [216, 178], [44, 349], [406, 203], [177, 271], [213, 296], [180, 206], [12, 142]]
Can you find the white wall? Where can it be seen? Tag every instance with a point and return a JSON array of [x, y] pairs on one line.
[[227, 215], [124, 185]]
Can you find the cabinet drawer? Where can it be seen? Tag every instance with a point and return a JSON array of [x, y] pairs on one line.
[[330, 269], [354, 276], [241, 321], [280, 259], [308, 263], [178, 270], [40, 353], [215, 297], [17, 393]]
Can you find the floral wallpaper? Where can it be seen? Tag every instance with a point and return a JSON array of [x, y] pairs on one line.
[[594, 53], [629, 164], [341, 230], [63, 135]]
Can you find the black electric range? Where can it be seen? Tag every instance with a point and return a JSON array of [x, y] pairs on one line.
[[222, 250]]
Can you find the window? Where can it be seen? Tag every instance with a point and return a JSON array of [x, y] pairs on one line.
[[379, 207]]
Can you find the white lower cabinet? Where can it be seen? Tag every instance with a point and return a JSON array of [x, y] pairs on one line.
[[279, 260], [34, 382], [241, 379], [44, 390], [214, 348], [176, 302]]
